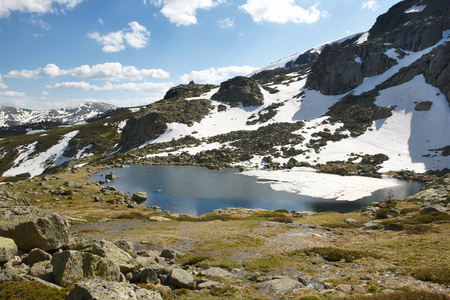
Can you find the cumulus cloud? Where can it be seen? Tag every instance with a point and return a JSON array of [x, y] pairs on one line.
[[129, 86], [50, 70], [135, 36], [36, 6], [184, 12], [226, 23], [281, 11], [12, 98], [370, 4], [214, 75], [113, 71], [2, 85]]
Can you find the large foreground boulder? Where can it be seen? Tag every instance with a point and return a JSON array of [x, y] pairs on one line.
[[97, 289], [71, 266], [31, 227]]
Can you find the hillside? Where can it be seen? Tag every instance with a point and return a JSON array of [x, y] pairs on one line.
[[367, 104]]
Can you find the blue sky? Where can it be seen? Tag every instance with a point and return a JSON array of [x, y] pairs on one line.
[[60, 53]]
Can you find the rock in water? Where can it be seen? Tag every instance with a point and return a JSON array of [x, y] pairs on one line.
[[31, 227], [110, 176], [71, 266], [8, 249], [98, 289], [140, 197]]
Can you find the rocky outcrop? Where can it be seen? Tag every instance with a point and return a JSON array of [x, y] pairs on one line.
[[437, 192], [141, 129], [188, 90], [31, 227], [413, 31], [8, 249], [340, 69], [240, 90], [71, 266], [100, 289]]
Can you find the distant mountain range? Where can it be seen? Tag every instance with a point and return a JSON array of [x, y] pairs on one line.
[[367, 104], [11, 116]]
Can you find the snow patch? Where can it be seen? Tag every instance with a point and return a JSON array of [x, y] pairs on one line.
[[415, 9], [363, 38], [36, 164], [306, 181]]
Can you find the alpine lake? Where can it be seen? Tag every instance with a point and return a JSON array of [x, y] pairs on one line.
[[198, 190]]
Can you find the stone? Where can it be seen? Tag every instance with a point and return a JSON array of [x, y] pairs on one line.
[[208, 284], [127, 247], [305, 279], [181, 278], [109, 250], [110, 176], [158, 219], [99, 289], [216, 272], [36, 255], [140, 197], [359, 288], [428, 210], [148, 276], [37, 270], [31, 227], [280, 286], [8, 249], [71, 266], [344, 288], [170, 253]]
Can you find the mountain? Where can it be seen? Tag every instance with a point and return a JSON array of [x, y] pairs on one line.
[[11, 116], [368, 104]]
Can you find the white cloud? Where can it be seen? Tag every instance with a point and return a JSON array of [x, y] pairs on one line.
[[129, 86], [370, 4], [226, 23], [183, 12], [12, 98], [281, 11], [2, 85], [136, 36], [214, 75], [36, 6], [50, 70], [107, 71], [100, 20]]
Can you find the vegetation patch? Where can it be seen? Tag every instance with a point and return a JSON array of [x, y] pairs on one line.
[[404, 295], [31, 291], [336, 254], [434, 274]]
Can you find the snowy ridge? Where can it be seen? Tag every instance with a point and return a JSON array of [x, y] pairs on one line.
[[11, 116]]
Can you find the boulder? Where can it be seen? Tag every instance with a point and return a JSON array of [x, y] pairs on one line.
[[71, 266], [110, 176], [98, 289], [280, 286], [216, 272], [170, 253], [181, 278], [8, 249], [140, 197], [240, 90], [109, 250], [36, 255], [31, 227]]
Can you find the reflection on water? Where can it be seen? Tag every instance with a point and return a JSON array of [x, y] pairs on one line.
[[197, 190]]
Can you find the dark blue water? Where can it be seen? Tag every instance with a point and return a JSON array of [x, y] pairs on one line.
[[198, 190]]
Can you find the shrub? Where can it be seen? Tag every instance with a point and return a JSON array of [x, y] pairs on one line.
[[434, 274], [382, 213], [429, 218], [30, 291], [336, 254]]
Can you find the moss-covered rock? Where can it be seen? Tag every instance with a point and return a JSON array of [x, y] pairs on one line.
[[8, 249], [71, 266], [31, 227]]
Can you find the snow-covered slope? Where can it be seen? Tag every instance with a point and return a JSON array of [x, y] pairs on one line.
[[11, 116]]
